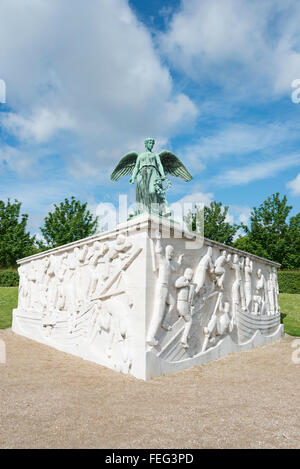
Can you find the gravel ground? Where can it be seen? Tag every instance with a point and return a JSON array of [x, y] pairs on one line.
[[49, 399]]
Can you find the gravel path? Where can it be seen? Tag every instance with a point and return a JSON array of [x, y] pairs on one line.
[[49, 399]]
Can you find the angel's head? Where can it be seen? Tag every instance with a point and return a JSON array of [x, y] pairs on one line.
[[149, 143]]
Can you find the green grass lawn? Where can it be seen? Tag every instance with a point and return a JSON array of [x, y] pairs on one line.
[[289, 305], [290, 312], [8, 301]]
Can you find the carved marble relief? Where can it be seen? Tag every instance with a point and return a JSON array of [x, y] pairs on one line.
[[273, 291], [164, 301], [212, 299], [110, 322], [248, 282], [105, 301], [238, 293], [80, 294], [261, 302], [185, 302], [204, 267], [220, 268], [219, 324]]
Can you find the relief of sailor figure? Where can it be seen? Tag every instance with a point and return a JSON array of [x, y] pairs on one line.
[[96, 264], [24, 293], [248, 282], [220, 268], [164, 298], [273, 291], [185, 299], [220, 323], [238, 293], [205, 266], [261, 302]]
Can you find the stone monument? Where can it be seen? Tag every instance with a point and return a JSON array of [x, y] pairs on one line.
[[148, 298]]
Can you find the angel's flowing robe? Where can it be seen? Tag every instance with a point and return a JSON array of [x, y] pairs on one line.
[[149, 174]]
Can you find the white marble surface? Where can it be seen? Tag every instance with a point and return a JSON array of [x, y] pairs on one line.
[[148, 299]]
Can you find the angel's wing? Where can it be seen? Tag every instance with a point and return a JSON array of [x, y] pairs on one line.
[[174, 166], [125, 166]]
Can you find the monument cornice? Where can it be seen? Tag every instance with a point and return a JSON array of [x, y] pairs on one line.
[[144, 222]]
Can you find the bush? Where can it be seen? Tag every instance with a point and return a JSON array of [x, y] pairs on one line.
[[289, 281], [9, 278]]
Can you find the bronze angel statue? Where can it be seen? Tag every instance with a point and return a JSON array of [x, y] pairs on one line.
[[149, 170]]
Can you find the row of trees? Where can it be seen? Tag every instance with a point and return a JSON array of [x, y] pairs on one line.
[[69, 221], [270, 234]]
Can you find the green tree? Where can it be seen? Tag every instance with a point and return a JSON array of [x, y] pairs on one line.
[[15, 242], [213, 219], [291, 258], [70, 221], [270, 235]]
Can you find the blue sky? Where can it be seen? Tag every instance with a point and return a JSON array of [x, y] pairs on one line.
[[208, 79]]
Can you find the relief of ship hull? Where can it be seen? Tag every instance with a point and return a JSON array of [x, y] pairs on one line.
[[249, 323]]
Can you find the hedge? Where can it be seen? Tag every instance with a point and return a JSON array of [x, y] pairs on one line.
[[9, 278], [289, 281]]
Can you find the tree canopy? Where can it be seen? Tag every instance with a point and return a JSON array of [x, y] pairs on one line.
[[271, 235], [70, 221], [15, 241], [271, 232], [213, 218]]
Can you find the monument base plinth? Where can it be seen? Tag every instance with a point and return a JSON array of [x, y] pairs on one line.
[[148, 299]]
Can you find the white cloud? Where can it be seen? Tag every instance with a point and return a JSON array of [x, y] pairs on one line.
[[250, 47], [236, 213], [239, 214], [39, 237], [256, 171], [16, 160], [90, 69], [229, 218], [294, 185], [40, 127], [196, 198], [107, 216], [244, 217], [238, 139], [235, 142], [38, 196]]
